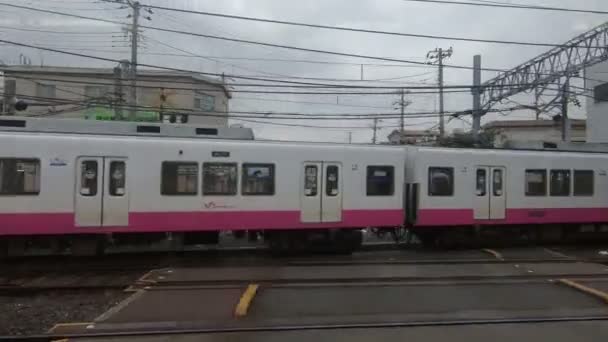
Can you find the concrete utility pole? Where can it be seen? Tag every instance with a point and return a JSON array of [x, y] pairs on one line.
[[402, 103], [565, 119], [118, 96], [375, 138], [476, 96], [136, 6], [438, 55]]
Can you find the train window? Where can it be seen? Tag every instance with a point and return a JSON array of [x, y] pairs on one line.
[[441, 181], [583, 183], [536, 182], [331, 182], [179, 178], [258, 179], [560, 183], [310, 180], [19, 176], [219, 179], [117, 178], [380, 180], [481, 179], [497, 179], [88, 178]]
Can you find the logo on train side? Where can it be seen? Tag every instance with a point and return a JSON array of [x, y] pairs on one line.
[[213, 205], [58, 162]]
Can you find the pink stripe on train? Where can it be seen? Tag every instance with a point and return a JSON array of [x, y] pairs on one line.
[[464, 217], [63, 223]]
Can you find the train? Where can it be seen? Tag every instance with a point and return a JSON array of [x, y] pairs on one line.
[[95, 183]]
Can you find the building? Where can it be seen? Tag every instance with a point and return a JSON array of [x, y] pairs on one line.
[[413, 137], [596, 85], [533, 130], [96, 93]]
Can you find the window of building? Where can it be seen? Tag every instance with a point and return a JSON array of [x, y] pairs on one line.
[[560, 183], [219, 178], [179, 178], [46, 91], [481, 179], [380, 180], [204, 102], [441, 181], [536, 182], [19, 176], [311, 173], [600, 93], [331, 182], [117, 178], [583, 183], [258, 179]]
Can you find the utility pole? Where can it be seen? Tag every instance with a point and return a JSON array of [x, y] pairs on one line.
[[350, 137], [565, 119], [118, 75], [10, 89], [375, 138], [402, 103], [438, 55], [476, 97], [133, 74]]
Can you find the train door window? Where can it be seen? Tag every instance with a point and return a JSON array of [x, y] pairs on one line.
[[583, 183], [88, 178], [179, 178], [311, 173], [481, 180], [331, 187], [441, 181], [117, 178], [258, 179], [380, 180], [220, 179], [536, 182], [560, 183], [19, 176], [497, 181]]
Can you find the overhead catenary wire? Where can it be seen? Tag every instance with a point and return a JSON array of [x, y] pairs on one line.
[[351, 29], [514, 6]]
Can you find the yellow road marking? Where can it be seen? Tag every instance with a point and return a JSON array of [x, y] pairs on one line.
[[245, 302], [494, 253], [586, 289], [62, 340]]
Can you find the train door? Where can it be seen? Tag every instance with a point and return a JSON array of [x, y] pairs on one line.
[[321, 192], [489, 202], [101, 197]]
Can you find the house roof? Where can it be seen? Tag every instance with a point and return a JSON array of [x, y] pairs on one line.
[[77, 71], [532, 124]]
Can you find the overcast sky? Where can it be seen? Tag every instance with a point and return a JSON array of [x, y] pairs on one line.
[[387, 15]]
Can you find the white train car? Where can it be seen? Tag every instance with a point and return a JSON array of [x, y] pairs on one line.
[[65, 184], [448, 188]]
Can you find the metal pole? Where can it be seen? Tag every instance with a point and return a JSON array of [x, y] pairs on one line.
[[134, 40], [10, 89], [565, 119], [441, 120], [476, 96], [350, 137]]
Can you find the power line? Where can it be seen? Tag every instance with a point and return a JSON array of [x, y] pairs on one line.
[[529, 7], [58, 32], [343, 54], [351, 29]]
